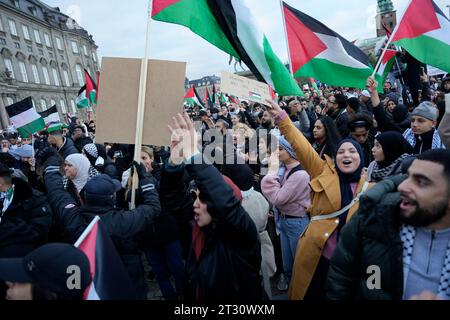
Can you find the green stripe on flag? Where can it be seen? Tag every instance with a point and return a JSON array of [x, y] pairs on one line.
[[284, 83], [32, 127], [428, 50], [196, 15], [336, 74]]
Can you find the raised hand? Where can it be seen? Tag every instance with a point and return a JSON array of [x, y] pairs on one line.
[[184, 139], [274, 109]]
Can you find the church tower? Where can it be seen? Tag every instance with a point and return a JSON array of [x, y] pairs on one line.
[[385, 15]]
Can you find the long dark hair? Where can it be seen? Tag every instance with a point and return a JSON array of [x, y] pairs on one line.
[[332, 134]]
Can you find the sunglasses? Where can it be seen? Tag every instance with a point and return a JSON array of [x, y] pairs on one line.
[[195, 194]]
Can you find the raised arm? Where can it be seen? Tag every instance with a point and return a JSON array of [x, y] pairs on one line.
[[306, 154]]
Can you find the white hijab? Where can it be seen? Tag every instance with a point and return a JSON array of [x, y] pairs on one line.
[[82, 164]]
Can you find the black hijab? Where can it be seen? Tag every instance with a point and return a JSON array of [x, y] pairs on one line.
[[394, 146]]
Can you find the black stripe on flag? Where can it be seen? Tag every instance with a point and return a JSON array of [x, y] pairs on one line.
[[318, 27], [439, 11], [19, 107], [198, 97], [225, 15], [48, 112]]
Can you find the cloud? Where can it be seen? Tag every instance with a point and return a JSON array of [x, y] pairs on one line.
[[119, 28]]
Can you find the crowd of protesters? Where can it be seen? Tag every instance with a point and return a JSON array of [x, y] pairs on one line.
[[312, 191]]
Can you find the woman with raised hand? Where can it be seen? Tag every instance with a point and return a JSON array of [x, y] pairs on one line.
[[336, 186]]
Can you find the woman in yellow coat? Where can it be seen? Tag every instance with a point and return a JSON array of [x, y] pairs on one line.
[[335, 186]]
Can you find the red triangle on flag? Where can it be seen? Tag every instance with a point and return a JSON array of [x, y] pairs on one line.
[[304, 44], [160, 5], [419, 18]]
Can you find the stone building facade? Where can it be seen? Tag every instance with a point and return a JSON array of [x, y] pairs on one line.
[[42, 54]]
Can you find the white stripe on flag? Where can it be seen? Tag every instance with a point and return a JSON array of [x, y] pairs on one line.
[[92, 295], [442, 34], [252, 38], [25, 118], [52, 118], [337, 54]]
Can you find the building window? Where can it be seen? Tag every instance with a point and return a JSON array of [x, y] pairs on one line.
[[74, 47], [41, 52], [34, 69], [23, 71], [47, 40], [89, 71], [2, 41], [33, 11], [58, 43], [33, 103], [52, 103], [43, 104], [16, 4], [12, 27], [46, 75], [85, 50], [17, 45], [9, 101], [80, 75], [1, 25], [50, 55], [74, 108], [37, 36], [26, 33], [94, 57], [66, 78], [30, 48], [9, 67], [62, 104], [55, 76]]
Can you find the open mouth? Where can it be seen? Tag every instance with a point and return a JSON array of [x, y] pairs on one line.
[[347, 162], [407, 204]]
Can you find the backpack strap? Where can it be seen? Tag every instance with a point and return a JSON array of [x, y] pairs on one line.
[[294, 170]]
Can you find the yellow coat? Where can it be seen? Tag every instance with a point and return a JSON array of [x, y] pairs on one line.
[[326, 199]]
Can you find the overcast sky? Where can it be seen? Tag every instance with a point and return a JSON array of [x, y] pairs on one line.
[[119, 28]]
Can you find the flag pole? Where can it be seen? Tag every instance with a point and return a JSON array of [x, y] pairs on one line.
[[141, 106], [86, 231], [383, 54]]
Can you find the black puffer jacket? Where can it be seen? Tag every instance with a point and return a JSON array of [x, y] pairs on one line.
[[371, 238], [67, 149], [26, 223], [122, 225], [229, 265]]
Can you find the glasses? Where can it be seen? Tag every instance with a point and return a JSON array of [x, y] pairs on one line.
[[195, 194]]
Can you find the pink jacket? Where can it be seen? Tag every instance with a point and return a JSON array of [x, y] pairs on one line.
[[294, 197]]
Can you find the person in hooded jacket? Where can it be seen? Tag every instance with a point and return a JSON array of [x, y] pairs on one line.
[[123, 226], [389, 152], [224, 260]]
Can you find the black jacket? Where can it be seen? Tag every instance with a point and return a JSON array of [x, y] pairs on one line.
[[26, 223], [371, 238], [122, 225], [67, 149], [229, 265]]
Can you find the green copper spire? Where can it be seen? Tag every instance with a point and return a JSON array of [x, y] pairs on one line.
[[385, 6]]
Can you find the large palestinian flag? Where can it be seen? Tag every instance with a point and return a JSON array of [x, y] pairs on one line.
[[51, 119], [192, 98], [25, 118], [319, 52], [229, 25], [110, 278], [91, 89], [424, 31]]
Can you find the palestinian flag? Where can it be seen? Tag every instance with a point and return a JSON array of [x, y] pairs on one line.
[[51, 119], [91, 89], [208, 99], [387, 64], [214, 93], [110, 278], [82, 101], [192, 98], [25, 118], [319, 52], [424, 31], [229, 25]]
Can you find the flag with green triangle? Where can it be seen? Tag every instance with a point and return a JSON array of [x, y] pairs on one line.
[[25, 118]]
